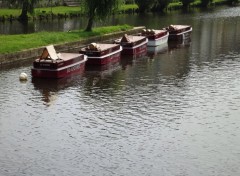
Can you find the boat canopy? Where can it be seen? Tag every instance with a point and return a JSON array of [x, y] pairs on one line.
[[49, 52]]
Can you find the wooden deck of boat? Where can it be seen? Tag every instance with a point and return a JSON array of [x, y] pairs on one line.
[[69, 56], [132, 39], [178, 27], [62, 57], [102, 47]]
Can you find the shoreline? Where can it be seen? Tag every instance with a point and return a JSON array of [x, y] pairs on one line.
[[30, 54]]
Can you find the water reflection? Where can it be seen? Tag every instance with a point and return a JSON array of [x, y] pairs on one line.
[[101, 77], [154, 51], [129, 60], [50, 88]]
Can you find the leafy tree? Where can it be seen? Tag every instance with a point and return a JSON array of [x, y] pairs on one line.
[[160, 5], [98, 9], [27, 7], [144, 5]]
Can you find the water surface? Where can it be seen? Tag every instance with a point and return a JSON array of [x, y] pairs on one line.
[[171, 113]]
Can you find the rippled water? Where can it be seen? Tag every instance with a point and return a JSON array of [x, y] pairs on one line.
[[171, 113]]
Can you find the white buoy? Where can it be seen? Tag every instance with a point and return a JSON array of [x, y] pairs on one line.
[[23, 77]]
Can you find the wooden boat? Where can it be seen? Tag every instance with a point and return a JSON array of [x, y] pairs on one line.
[[132, 44], [57, 65], [101, 54], [155, 37], [179, 32]]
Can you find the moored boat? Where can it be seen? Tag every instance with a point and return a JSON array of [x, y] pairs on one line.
[[101, 53], [132, 44], [155, 37], [57, 65], [179, 32]]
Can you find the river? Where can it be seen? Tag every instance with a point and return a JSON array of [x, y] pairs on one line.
[[174, 113]]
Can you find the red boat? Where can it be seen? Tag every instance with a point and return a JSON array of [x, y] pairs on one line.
[[133, 44], [101, 54], [58, 65], [155, 37], [179, 32]]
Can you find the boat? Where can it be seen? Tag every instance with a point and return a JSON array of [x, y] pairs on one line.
[[155, 37], [179, 32], [132, 45], [101, 53], [57, 65]]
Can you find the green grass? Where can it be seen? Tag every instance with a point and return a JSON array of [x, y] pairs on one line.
[[126, 7], [14, 43], [8, 12], [58, 10]]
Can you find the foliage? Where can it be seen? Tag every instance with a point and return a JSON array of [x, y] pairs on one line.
[[13, 43], [160, 5], [98, 9], [144, 5], [27, 7]]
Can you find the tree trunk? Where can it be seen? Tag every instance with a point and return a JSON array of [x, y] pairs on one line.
[[24, 16], [90, 24]]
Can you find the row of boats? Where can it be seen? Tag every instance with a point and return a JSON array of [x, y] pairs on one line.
[[58, 65]]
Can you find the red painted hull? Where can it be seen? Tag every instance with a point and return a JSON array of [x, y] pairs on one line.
[[180, 33], [135, 51], [104, 60], [46, 70], [105, 54], [136, 45]]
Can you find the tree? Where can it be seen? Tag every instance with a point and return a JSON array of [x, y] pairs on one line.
[[160, 5], [144, 5], [98, 9], [27, 7]]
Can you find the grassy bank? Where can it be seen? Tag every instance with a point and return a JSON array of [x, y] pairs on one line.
[[13, 43]]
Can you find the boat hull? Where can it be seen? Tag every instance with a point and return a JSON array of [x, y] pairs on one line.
[[106, 54], [105, 59], [158, 41], [180, 36], [72, 69], [135, 50]]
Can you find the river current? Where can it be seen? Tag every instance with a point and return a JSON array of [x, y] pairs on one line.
[[173, 112]]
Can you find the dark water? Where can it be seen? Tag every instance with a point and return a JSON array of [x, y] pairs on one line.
[[171, 113]]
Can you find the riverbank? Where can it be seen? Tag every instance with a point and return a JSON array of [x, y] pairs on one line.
[[70, 46], [59, 12]]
